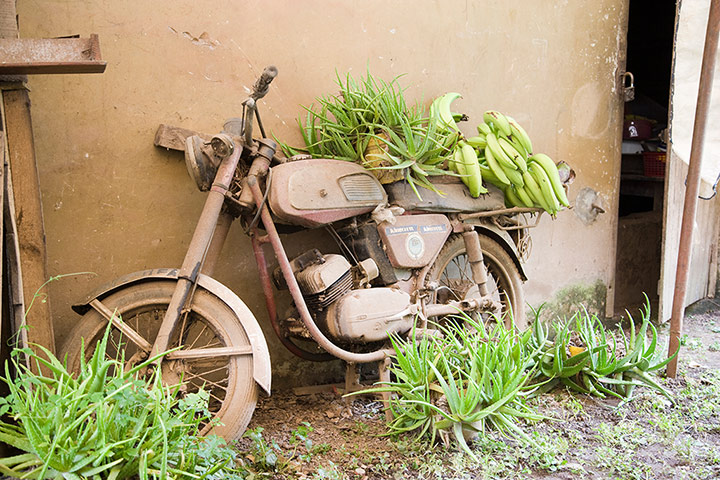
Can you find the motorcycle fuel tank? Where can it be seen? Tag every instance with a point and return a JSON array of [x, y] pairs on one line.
[[315, 192]]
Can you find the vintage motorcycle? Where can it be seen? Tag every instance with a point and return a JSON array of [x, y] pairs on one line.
[[401, 260]]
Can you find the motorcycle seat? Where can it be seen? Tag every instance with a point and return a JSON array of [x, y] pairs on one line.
[[455, 197]]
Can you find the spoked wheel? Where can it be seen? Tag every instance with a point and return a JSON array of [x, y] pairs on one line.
[[452, 271], [210, 325]]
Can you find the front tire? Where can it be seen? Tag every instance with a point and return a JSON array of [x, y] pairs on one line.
[[210, 324], [452, 271]]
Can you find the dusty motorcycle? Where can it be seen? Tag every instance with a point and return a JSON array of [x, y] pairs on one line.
[[399, 260]]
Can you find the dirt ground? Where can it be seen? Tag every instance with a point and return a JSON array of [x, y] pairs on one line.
[[323, 436]]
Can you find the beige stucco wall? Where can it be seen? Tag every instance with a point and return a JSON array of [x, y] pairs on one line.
[[115, 204]]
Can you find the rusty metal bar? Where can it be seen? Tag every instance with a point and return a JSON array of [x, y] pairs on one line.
[[222, 228], [296, 294], [50, 55], [504, 211], [693, 182], [126, 329], [272, 308], [202, 353]]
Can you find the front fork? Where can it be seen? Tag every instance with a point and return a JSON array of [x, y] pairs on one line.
[[205, 245], [475, 257]]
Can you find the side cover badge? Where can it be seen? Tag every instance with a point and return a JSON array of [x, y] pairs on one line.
[[415, 246]]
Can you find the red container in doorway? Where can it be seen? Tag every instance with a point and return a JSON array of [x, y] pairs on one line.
[[654, 164]]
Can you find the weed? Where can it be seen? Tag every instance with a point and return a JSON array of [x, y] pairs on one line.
[[330, 472], [691, 343], [105, 423], [546, 452]]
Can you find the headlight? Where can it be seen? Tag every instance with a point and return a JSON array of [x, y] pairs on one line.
[[199, 163]]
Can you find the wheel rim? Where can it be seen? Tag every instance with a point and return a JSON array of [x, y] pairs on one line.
[[456, 278], [194, 331]]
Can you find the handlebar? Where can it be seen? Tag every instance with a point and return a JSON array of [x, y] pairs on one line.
[[262, 84], [260, 89]]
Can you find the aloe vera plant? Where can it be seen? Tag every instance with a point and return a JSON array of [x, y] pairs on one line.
[[105, 424], [465, 380], [469, 378], [598, 366], [370, 122]]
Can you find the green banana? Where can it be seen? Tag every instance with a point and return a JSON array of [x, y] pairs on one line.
[[459, 117], [443, 112], [524, 197], [518, 146], [498, 120], [474, 178], [497, 151], [511, 198], [484, 129], [458, 163], [489, 176], [515, 175], [514, 154], [478, 141], [533, 189], [545, 186], [495, 167], [552, 172], [520, 134], [451, 163]]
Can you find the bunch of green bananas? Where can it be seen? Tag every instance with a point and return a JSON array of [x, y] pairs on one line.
[[463, 160], [507, 161], [501, 154]]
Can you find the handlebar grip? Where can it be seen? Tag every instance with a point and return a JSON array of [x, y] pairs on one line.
[[262, 84]]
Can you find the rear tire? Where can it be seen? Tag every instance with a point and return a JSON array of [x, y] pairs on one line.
[[452, 270], [211, 323]]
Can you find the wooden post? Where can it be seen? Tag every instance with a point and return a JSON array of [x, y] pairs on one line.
[[8, 19], [29, 215]]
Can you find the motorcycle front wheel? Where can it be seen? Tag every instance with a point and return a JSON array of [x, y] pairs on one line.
[[452, 272], [210, 324]]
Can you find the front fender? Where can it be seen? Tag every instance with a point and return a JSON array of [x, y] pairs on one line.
[[262, 372]]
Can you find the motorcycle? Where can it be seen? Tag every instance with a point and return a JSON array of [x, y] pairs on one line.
[[403, 260]]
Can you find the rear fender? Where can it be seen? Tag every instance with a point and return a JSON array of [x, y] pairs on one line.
[[262, 372]]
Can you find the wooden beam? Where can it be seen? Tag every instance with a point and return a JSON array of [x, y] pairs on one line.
[[8, 29], [50, 55], [28, 213], [8, 19], [16, 300]]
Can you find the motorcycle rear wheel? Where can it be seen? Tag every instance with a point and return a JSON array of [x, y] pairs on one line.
[[452, 271], [210, 324]]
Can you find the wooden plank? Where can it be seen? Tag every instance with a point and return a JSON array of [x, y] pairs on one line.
[[51, 55], [2, 232], [8, 19], [173, 138], [28, 213], [16, 298], [8, 29]]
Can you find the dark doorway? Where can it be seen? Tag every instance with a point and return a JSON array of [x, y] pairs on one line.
[[650, 39]]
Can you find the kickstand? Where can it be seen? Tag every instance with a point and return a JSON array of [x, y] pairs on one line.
[[354, 384]]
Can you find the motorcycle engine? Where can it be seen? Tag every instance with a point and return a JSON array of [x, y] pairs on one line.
[[342, 308]]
